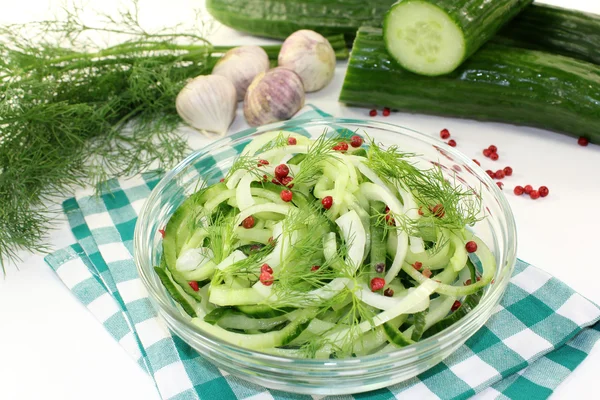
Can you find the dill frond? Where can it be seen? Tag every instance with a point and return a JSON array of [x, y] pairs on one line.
[[320, 154], [279, 141], [428, 187], [245, 163], [221, 232]]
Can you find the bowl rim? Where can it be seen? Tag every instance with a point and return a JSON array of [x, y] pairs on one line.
[[447, 335]]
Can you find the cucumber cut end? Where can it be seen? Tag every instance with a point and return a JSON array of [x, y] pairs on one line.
[[423, 39]]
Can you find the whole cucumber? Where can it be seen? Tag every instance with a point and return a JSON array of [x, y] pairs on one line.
[[498, 83]]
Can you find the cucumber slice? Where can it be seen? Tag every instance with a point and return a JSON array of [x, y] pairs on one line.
[[300, 200], [378, 241], [182, 223], [223, 296], [215, 315], [391, 329], [419, 325], [176, 292], [360, 153], [175, 275], [262, 311], [396, 337], [369, 342], [468, 304], [235, 320], [297, 159], [261, 340]]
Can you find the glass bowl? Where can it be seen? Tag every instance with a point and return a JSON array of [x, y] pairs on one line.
[[330, 376]]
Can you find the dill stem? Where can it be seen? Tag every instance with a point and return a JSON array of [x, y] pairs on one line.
[[130, 48], [154, 35]]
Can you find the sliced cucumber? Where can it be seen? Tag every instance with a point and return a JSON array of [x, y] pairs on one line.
[[235, 320], [418, 325], [176, 292], [297, 159], [360, 153], [393, 334], [369, 342], [378, 241], [261, 340], [215, 315], [300, 200], [262, 311], [224, 296], [468, 304]]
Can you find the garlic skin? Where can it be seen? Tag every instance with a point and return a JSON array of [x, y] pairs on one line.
[[208, 103], [275, 95], [241, 65], [311, 56]]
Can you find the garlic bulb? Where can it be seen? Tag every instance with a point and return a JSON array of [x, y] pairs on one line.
[[208, 103], [240, 65], [311, 56], [273, 96]]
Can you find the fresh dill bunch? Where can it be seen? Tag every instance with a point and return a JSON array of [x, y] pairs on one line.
[[456, 206], [75, 112], [73, 116]]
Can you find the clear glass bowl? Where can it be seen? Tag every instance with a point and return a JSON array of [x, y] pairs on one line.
[[331, 376]]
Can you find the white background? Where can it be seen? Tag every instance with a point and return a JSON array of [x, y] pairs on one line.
[[52, 348]]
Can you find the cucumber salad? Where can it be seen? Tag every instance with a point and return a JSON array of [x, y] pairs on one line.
[[326, 248]]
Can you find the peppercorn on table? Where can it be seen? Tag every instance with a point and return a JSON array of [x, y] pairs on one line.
[[49, 342]]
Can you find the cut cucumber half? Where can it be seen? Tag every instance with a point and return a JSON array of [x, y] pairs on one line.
[[423, 38], [433, 37]]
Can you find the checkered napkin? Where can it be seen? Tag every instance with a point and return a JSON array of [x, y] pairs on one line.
[[540, 332]]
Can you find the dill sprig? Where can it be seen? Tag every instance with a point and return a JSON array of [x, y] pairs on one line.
[[359, 312], [221, 233], [296, 279], [459, 206], [77, 115], [296, 275], [280, 140], [320, 153], [250, 163], [244, 163], [355, 313], [248, 268]]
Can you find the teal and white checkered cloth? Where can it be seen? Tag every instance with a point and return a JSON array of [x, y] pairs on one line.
[[537, 336]]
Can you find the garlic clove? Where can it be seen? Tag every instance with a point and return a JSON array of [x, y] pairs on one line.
[[208, 103], [311, 56], [275, 95], [241, 65]]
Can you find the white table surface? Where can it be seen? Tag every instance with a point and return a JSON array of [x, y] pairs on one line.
[[52, 348]]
